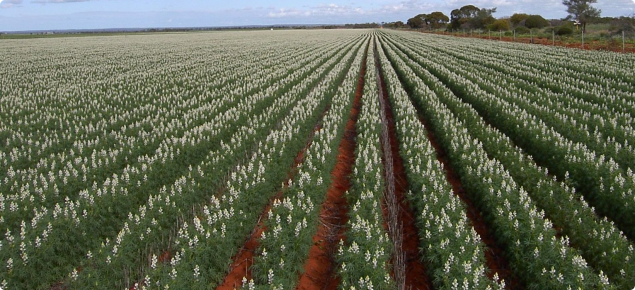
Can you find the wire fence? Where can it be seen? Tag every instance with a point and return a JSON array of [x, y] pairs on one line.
[[618, 42]]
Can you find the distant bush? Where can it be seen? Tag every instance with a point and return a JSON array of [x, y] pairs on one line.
[[564, 30], [623, 24], [522, 30], [536, 21], [518, 18], [500, 24]]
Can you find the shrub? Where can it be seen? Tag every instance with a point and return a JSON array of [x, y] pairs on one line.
[[522, 30], [500, 24], [564, 30], [517, 18], [536, 21], [623, 24]]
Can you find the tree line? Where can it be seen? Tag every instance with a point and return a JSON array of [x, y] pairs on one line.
[[470, 17]]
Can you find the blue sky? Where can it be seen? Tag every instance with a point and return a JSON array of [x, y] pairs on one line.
[[16, 15]]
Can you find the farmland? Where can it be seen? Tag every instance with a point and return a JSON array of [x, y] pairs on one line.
[[319, 159]]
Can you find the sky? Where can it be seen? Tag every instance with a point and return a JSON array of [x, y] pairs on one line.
[[20, 15]]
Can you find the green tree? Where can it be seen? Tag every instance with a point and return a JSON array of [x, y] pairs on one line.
[[500, 24], [536, 21], [417, 21], [436, 19], [517, 18], [483, 18], [461, 17], [582, 11]]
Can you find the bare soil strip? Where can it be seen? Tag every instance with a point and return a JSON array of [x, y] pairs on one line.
[[319, 269], [494, 255], [415, 275], [496, 261], [241, 266]]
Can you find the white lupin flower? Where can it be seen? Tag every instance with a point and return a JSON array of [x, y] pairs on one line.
[[603, 278], [270, 277], [154, 261]]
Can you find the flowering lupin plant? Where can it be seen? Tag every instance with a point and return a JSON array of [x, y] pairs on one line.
[[519, 224], [601, 243], [364, 259]]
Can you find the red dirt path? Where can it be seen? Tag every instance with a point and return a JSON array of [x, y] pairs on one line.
[[494, 256], [319, 269], [241, 266], [416, 274]]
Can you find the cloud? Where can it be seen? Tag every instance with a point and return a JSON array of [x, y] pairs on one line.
[[614, 4], [282, 12], [10, 3], [300, 12], [332, 10], [57, 1], [410, 6], [317, 11]]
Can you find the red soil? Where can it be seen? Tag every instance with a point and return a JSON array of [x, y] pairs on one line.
[[319, 269], [615, 46], [416, 276], [165, 257], [496, 260], [241, 266], [494, 256], [244, 259]]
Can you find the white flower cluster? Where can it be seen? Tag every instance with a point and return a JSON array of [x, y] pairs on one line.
[[90, 153], [305, 193], [514, 211], [566, 207], [368, 247], [447, 235], [228, 219]]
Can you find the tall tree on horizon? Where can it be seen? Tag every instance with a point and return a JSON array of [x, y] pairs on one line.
[[582, 11], [461, 17]]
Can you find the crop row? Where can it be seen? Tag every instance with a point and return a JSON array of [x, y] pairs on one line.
[[200, 121], [600, 242], [599, 178], [364, 255], [74, 231], [537, 256], [451, 246]]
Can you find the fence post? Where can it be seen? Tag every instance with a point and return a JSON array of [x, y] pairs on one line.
[[582, 39], [514, 35], [490, 34], [623, 42], [553, 37], [500, 36], [531, 33]]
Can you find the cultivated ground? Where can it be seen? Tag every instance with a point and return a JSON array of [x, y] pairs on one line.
[[335, 159]]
